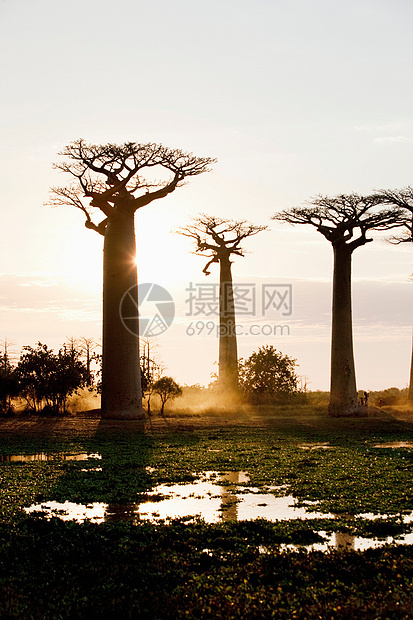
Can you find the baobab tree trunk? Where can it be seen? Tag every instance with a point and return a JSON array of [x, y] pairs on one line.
[[121, 381], [410, 395], [343, 391], [228, 354]]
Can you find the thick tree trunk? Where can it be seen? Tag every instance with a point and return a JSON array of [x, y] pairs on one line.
[[228, 354], [121, 381], [410, 395], [343, 391]]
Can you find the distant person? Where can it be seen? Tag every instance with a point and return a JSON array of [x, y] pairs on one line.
[[366, 399], [380, 402]]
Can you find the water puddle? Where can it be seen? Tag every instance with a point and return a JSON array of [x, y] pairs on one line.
[[348, 542], [395, 444], [316, 446], [212, 508], [216, 498], [46, 456]]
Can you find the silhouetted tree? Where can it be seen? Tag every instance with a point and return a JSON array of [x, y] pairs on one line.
[[167, 389], [343, 220], [84, 348], [402, 199], [268, 375], [9, 389], [219, 239], [49, 379], [151, 367], [87, 347], [112, 179], [9, 381], [34, 369]]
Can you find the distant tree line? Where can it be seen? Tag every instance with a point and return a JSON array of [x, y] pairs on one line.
[[45, 379]]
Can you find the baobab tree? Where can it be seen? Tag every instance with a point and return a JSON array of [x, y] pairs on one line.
[[219, 239], [112, 180], [83, 347], [343, 220], [402, 199]]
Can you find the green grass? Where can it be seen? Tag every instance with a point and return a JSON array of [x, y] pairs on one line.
[[55, 569]]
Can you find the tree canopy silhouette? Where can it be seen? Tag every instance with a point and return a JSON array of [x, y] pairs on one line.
[[268, 376], [113, 181], [402, 199], [167, 389]]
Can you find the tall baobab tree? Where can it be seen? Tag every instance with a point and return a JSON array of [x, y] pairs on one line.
[[343, 220], [402, 199], [218, 239], [112, 180]]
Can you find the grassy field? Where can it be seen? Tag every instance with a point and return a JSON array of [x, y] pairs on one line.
[[191, 569]]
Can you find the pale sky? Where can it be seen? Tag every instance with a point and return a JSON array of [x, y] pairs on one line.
[[294, 98]]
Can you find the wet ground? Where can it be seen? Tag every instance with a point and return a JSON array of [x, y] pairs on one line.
[[215, 496]]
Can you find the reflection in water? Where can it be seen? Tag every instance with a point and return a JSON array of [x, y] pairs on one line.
[[205, 498], [120, 512], [69, 511], [351, 543], [46, 456], [215, 498], [344, 540], [228, 499]]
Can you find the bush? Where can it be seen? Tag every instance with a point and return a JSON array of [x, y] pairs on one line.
[[268, 376], [48, 379]]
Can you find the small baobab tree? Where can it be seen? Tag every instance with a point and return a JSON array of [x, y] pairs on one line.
[[343, 220], [219, 239], [84, 347], [87, 347], [114, 181], [402, 199]]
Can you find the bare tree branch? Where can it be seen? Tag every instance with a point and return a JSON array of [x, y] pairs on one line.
[[227, 235], [70, 196], [111, 176], [338, 218], [402, 199]]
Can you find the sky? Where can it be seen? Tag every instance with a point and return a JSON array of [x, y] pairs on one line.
[[294, 99]]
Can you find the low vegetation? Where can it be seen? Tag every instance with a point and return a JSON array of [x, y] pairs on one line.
[[191, 569]]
